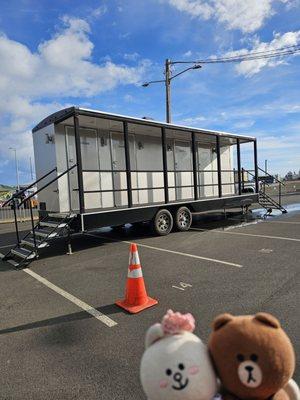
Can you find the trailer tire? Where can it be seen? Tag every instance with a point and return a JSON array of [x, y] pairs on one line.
[[183, 219], [162, 223]]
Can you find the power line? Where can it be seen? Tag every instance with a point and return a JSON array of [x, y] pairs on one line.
[[254, 55], [258, 55]]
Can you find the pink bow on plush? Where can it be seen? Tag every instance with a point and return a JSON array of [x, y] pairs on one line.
[[173, 323]]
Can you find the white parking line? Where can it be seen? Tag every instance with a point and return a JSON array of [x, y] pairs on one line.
[[84, 306], [284, 222], [170, 251], [246, 234], [8, 245]]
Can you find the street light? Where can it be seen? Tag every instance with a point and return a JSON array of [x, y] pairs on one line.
[[167, 82], [17, 166]]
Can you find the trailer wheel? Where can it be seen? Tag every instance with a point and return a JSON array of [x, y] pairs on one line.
[[183, 219], [162, 223]]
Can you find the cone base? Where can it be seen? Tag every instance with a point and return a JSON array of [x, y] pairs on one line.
[[135, 309]]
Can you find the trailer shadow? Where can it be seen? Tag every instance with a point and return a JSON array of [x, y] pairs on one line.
[[216, 220], [5, 267], [102, 237], [109, 309]]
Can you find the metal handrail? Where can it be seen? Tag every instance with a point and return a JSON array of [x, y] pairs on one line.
[[272, 176], [14, 199], [250, 173], [19, 193], [44, 187], [266, 184]]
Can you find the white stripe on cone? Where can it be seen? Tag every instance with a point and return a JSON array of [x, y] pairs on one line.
[[135, 273], [134, 258]]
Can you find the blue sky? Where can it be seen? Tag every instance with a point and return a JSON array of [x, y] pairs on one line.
[[97, 53]]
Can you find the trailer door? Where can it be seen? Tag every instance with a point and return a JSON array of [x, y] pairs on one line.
[[205, 174], [183, 170], [90, 167], [119, 169]]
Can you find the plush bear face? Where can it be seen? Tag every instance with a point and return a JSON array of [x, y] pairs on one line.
[[178, 367], [252, 355]]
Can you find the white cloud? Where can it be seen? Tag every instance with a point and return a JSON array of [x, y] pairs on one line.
[[188, 53], [128, 98], [244, 124], [62, 67], [99, 11], [247, 16], [243, 15], [249, 68], [195, 8], [131, 56], [291, 3], [193, 121]]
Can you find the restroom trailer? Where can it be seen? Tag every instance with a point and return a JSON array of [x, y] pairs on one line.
[[109, 170]]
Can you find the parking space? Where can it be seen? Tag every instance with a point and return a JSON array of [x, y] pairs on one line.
[[54, 346]]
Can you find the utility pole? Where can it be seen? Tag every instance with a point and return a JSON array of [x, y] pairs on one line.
[[266, 166], [168, 89], [167, 81], [17, 167], [31, 172]]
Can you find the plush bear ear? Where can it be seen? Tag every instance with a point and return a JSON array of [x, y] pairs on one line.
[[267, 319], [221, 320], [154, 333]]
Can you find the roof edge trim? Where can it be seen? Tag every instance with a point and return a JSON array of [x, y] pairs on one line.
[[55, 117]]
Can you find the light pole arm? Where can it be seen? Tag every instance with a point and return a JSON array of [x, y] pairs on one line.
[[150, 82], [167, 82], [187, 69]]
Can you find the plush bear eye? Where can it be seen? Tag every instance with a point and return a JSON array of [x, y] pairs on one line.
[[169, 371], [181, 366], [253, 357], [240, 357]]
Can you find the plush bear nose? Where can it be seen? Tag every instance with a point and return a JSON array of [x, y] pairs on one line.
[[249, 368], [177, 377]]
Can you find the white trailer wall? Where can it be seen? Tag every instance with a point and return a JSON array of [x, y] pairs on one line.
[[104, 166], [45, 160]]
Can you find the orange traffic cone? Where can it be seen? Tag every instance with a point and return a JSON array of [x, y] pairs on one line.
[[136, 298]]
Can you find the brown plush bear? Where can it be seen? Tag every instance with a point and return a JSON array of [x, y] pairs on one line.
[[253, 357]]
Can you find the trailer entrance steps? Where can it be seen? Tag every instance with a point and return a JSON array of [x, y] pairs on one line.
[[267, 183], [42, 234], [269, 203]]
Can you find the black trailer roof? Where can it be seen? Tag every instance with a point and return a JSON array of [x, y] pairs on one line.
[[61, 115]]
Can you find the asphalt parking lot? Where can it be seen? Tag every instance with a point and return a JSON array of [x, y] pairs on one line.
[[52, 349]]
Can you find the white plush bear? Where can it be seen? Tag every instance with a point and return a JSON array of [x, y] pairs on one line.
[[176, 364]]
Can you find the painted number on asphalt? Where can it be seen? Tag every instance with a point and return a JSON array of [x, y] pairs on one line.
[[182, 286], [265, 251]]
